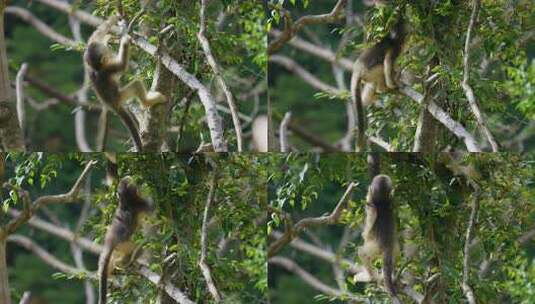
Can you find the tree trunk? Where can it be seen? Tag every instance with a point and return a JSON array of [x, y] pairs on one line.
[[10, 132], [425, 137], [4, 284]]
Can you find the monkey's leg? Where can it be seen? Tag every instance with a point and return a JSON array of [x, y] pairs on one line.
[[368, 94], [366, 253], [389, 70], [136, 88]]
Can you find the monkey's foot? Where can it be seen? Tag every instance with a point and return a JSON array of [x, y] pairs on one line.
[[154, 98], [363, 276]]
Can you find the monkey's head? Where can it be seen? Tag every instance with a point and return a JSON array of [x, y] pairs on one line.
[[131, 198], [96, 54], [379, 192]]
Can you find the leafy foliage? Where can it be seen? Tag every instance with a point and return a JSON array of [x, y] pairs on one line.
[[178, 184], [433, 206]]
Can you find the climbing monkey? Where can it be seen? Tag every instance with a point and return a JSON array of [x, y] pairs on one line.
[[105, 71], [118, 245], [374, 69], [379, 234]]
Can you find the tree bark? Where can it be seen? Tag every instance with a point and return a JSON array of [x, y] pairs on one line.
[[4, 284], [10, 132]]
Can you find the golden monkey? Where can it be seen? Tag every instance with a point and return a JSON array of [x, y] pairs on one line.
[[380, 235], [105, 71], [374, 68], [117, 244]]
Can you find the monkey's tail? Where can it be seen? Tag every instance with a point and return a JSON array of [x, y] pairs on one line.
[[388, 267], [103, 264], [357, 103], [128, 121]]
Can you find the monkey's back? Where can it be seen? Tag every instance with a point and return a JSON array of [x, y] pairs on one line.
[[122, 227], [105, 85], [373, 56]]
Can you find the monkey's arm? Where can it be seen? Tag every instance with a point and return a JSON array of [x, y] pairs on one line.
[[103, 29], [371, 216], [388, 70], [120, 62]]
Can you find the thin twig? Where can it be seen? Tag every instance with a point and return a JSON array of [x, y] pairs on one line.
[[291, 29], [466, 77], [467, 289], [283, 132], [206, 272]]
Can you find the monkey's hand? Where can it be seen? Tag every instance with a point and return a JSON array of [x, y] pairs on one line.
[[126, 39], [123, 27]]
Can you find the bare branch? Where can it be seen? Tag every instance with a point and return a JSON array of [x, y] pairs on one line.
[[466, 77], [21, 113], [312, 138], [311, 280], [60, 232], [318, 252], [26, 297], [467, 289], [292, 29], [316, 50], [202, 262], [440, 115], [52, 92], [89, 245], [68, 197], [332, 218], [42, 27], [283, 130], [380, 142], [47, 257], [169, 288], [217, 72], [308, 77], [213, 119]]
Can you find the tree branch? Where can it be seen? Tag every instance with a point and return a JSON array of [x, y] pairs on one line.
[[466, 77], [467, 289], [308, 77], [96, 249], [47, 257], [21, 113], [332, 218], [311, 280], [68, 197], [207, 274], [213, 119], [217, 72], [283, 132], [291, 29], [40, 26]]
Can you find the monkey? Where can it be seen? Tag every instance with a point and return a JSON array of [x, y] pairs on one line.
[[379, 234], [260, 133], [112, 168], [118, 245], [105, 71], [374, 68]]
